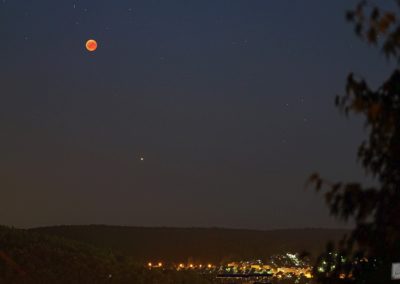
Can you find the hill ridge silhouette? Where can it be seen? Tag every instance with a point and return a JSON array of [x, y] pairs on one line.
[[214, 244]]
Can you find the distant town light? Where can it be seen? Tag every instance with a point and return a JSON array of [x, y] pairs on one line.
[[160, 264], [149, 264]]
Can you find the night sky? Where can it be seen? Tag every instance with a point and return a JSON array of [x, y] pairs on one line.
[[189, 113]]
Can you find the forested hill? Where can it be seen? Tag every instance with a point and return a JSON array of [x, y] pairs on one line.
[[197, 244], [30, 257]]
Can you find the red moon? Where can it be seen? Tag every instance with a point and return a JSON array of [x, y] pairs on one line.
[[91, 45]]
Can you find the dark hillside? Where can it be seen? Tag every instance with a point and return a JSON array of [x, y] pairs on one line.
[[205, 245], [29, 257]]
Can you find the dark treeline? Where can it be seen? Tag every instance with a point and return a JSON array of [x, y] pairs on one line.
[[30, 257], [195, 244]]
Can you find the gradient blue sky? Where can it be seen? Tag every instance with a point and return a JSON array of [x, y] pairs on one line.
[[231, 104]]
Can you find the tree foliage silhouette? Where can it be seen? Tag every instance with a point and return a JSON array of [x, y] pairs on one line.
[[365, 255]]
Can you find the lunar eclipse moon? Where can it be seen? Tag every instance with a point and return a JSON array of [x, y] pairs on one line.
[[91, 45]]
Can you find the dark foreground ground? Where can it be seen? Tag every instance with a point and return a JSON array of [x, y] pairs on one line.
[[105, 254]]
